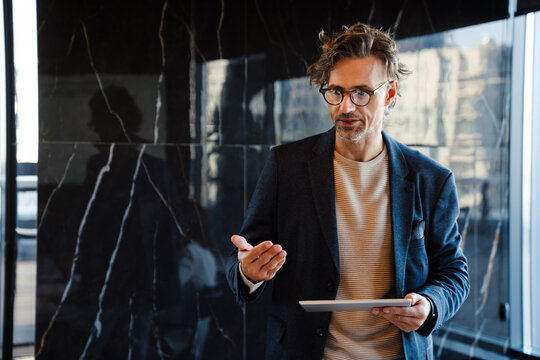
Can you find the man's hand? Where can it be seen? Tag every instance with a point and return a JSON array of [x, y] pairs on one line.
[[259, 263], [407, 318]]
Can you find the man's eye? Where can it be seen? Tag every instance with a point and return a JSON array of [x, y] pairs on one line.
[[335, 92], [361, 93]]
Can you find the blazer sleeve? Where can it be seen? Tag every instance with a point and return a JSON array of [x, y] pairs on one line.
[[260, 224], [448, 281]]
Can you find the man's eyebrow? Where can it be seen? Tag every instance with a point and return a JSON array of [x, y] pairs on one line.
[[354, 87], [330, 86]]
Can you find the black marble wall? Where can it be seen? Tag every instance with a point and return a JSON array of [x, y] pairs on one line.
[[155, 121]]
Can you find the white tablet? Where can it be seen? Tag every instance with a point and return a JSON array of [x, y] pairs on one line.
[[350, 305]]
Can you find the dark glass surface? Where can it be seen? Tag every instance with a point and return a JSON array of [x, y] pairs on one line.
[[526, 6], [155, 122], [131, 251]]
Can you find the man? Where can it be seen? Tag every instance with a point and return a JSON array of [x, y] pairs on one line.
[[352, 214]]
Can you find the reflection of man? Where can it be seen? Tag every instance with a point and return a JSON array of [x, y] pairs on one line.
[[120, 125], [128, 289], [352, 216]]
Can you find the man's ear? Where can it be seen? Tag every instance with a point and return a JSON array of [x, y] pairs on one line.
[[392, 93]]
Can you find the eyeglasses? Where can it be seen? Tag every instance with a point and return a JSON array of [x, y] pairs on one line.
[[359, 97]]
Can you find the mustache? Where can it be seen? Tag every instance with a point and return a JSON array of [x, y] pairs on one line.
[[348, 116]]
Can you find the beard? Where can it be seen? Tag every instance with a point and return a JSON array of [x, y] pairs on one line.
[[354, 136], [353, 133]]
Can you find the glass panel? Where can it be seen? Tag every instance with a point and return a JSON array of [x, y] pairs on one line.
[[535, 189], [25, 58], [2, 171], [526, 6], [455, 106]]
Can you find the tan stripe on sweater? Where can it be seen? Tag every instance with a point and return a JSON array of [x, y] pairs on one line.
[[366, 260]]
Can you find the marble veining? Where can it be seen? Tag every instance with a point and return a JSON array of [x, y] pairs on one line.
[[164, 201], [59, 186], [399, 15], [96, 329], [76, 255], [218, 31], [155, 327], [156, 120], [161, 74], [131, 327], [100, 83]]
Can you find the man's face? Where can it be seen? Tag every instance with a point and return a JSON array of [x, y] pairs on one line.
[[354, 122]]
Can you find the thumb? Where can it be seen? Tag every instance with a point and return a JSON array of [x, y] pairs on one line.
[[414, 298], [241, 243]]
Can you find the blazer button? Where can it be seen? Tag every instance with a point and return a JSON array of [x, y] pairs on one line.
[[320, 332]]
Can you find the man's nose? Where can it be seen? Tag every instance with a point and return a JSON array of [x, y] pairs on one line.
[[347, 105]]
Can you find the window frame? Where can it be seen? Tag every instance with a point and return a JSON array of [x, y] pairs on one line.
[[524, 209]]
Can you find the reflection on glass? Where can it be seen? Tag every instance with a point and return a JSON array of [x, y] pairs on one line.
[[25, 59], [298, 110], [2, 166], [453, 107]]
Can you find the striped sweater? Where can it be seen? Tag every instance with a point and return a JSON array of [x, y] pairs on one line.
[[366, 260]]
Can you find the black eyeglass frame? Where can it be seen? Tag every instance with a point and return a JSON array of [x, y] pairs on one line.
[[343, 92]]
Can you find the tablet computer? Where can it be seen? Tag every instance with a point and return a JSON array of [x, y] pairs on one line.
[[350, 305]]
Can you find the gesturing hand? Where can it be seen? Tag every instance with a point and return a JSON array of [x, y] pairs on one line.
[[259, 263], [407, 318]]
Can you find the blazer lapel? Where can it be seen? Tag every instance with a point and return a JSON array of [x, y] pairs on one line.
[[402, 205], [321, 174]]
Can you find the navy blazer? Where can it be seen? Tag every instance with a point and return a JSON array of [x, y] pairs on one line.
[[294, 205]]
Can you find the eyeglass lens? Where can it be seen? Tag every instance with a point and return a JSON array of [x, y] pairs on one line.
[[335, 97]]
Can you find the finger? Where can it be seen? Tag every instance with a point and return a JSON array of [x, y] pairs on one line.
[[257, 273], [415, 298], [275, 267], [277, 261], [407, 324], [404, 323], [399, 310], [420, 305], [241, 243], [406, 318], [267, 256], [256, 252], [395, 310], [417, 308], [396, 318]]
